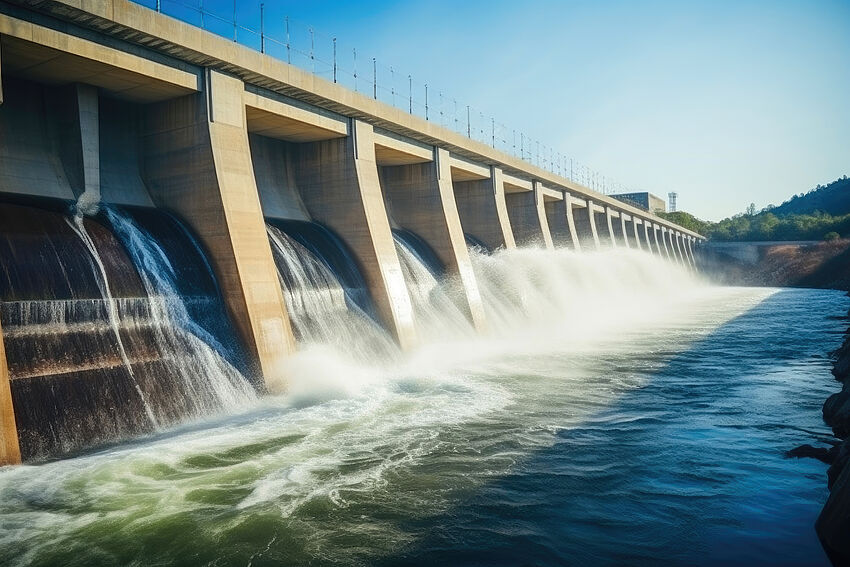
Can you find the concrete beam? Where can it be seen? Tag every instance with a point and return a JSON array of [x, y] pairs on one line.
[[50, 56], [517, 185], [527, 212], [10, 452], [483, 210], [198, 163], [421, 199], [274, 116], [391, 149], [465, 170], [339, 184]]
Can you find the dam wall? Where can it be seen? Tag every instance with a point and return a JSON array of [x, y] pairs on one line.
[[133, 145]]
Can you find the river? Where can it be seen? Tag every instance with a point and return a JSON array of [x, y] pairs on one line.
[[634, 414]]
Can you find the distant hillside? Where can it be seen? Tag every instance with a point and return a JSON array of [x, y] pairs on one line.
[[821, 214], [832, 199]]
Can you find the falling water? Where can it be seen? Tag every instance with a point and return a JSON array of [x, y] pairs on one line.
[[436, 312], [319, 308], [77, 224], [591, 425], [210, 383]]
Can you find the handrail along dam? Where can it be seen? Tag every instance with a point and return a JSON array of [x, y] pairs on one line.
[[166, 193]]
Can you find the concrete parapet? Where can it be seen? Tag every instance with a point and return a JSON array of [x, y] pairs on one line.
[[198, 163], [483, 211], [421, 199], [339, 184], [527, 212]]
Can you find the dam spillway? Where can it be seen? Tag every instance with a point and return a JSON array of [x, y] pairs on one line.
[[180, 214]]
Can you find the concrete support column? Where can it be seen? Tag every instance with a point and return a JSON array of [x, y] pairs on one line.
[[664, 239], [339, 184], [483, 211], [527, 212], [79, 137], [585, 222], [609, 221], [571, 221], [681, 251], [647, 239], [1, 75], [623, 230], [10, 452], [671, 240], [422, 200], [198, 163], [556, 218], [690, 249], [636, 232]]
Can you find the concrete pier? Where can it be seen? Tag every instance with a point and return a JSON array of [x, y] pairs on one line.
[[422, 200], [571, 222], [338, 180], [585, 222], [527, 213], [610, 224], [483, 211], [198, 163], [10, 452]]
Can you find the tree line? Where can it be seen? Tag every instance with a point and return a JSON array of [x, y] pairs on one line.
[[821, 214]]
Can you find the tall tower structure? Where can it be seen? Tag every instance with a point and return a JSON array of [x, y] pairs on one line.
[[671, 198]]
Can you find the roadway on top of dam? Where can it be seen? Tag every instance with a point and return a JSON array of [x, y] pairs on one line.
[[129, 22]]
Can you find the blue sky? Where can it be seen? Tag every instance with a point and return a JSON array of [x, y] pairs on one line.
[[726, 103]]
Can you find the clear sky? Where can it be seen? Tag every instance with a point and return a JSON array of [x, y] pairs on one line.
[[725, 102]]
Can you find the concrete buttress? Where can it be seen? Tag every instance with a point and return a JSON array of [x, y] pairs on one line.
[[422, 200], [483, 211], [198, 163], [339, 184]]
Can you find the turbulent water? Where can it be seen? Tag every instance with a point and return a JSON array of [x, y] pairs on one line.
[[618, 411]]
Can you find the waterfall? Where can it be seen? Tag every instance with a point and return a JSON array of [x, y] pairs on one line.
[[437, 315], [321, 311], [210, 382]]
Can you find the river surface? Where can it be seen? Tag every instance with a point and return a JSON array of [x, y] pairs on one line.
[[649, 431]]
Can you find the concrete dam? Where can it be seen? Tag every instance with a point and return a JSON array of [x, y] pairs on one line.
[[178, 213]]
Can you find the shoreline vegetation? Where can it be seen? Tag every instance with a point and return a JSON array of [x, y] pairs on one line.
[[821, 214]]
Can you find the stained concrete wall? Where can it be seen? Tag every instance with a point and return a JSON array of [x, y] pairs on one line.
[[273, 173], [338, 181], [422, 200], [483, 211], [528, 217], [558, 219], [198, 163]]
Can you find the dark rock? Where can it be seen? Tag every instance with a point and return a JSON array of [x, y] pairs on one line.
[[833, 524], [820, 453], [836, 412]]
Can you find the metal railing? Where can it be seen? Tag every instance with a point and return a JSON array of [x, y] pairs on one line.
[[306, 48]]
